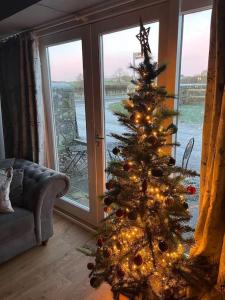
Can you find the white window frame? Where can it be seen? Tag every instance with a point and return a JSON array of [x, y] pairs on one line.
[[155, 13], [191, 6], [170, 14], [89, 215], [186, 7]]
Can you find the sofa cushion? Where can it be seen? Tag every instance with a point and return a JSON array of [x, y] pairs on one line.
[[7, 163], [16, 188], [5, 181], [15, 225]]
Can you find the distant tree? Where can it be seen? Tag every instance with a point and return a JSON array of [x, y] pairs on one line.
[[204, 73], [80, 77], [126, 78], [79, 84], [121, 76]]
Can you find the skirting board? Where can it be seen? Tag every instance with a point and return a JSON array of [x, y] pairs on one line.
[[75, 221]]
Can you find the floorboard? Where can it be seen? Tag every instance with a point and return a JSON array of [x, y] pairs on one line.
[[53, 272]]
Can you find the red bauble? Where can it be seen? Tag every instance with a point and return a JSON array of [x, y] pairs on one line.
[[172, 129], [171, 161], [108, 200], [126, 167], [120, 273], [90, 266], [185, 205], [100, 242], [132, 215], [94, 282], [152, 140], [119, 246], [138, 260], [144, 186], [110, 184], [191, 190], [116, 151], [163, 247], [106, 253], [119, 213], [157, 172], [169, 201], [168, 294]]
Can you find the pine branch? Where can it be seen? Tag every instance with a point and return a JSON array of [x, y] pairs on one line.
[[86, 250], [121, 138], [166, 113], [148, 216]]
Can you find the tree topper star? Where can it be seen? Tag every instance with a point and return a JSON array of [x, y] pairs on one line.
[[143, 38]]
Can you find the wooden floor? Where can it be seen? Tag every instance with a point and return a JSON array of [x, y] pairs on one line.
[[57, 271]]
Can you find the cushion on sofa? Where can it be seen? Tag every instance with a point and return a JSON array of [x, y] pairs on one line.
[[7, 163], [16, 225], [5, 181], [16, 188]]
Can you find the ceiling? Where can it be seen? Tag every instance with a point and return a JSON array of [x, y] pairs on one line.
[[31, 13], [10, 7]]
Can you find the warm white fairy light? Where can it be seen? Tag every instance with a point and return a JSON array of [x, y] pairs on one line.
[[139, 244]]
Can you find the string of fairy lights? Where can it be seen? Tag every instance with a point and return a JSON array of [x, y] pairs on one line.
[[141, 239]]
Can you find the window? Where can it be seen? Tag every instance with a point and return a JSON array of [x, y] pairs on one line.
[[121, 49], [86, 76], [68, 103], [192, 88]]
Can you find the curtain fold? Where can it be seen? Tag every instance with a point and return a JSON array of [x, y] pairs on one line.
[[43, 133], [21, 98], [210, 231]]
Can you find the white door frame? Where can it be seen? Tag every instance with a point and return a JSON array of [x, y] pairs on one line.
[[158, 12], [167, 13], [90, 216]]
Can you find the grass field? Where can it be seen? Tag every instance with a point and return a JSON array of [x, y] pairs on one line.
[[117, 107], [189, 113]]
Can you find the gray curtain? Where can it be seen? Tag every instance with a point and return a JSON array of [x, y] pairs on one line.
[[19, 102]]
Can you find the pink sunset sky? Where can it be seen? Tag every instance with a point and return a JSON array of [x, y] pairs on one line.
[[118, 48]]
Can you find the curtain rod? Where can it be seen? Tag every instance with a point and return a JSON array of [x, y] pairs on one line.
[[13, 35]]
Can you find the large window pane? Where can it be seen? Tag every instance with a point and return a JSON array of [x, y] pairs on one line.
[[66, 69], [193, 77], [120, 50]]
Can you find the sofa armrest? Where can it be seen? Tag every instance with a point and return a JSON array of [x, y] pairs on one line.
[[41, 186]]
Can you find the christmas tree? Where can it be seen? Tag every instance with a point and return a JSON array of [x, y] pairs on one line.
[[142, 243]]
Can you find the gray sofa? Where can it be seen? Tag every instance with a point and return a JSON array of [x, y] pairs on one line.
[[31, 224]]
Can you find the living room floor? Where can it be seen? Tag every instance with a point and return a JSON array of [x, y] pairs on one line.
[[56, 271]]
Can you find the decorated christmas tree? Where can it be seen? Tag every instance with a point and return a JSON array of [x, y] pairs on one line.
[[143, 241]]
